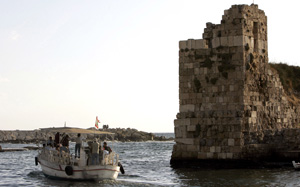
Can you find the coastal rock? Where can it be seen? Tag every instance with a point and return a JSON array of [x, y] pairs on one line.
[[120, 134]]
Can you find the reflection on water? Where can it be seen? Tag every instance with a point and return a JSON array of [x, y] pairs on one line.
[[145, 164], [239, 177]]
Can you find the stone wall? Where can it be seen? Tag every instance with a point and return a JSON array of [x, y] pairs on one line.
[[231, 102]]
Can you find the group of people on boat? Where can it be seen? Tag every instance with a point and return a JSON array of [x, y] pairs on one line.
[[61, 143], [57, 144], [96, 151]]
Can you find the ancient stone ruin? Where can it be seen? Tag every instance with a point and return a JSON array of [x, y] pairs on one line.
[[232, 104]]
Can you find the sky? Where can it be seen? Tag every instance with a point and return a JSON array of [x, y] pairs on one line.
[[72, 60]]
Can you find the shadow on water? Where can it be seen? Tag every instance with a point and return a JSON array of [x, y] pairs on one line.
[[128, 180], [238, 177], [35, 174], [42, 179]]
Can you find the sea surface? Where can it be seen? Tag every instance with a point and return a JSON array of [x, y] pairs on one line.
[[145, 164]]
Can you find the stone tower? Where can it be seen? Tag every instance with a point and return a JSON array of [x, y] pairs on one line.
[[232, 105]]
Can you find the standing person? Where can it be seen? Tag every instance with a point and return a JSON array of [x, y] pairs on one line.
[[50, 142], [56, 139], [65, 143], [95, 152], [78, 144]]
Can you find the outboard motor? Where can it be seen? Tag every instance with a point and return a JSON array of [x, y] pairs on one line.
[[36, 161], [121, 168]]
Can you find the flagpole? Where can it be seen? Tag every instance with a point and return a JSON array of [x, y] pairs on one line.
[[96, 124]]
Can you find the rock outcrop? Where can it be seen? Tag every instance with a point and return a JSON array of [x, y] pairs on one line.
[[129, 134]]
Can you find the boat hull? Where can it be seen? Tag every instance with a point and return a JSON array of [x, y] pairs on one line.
[[56, 170]]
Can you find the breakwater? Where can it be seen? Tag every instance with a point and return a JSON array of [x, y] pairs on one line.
[[120, 134]]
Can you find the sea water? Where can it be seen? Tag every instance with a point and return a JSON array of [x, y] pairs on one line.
[[145, 164]]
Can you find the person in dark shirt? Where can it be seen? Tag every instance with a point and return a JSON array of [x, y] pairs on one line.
[[65, 143], [56, 140], [50, 142], [78, 144], [107, 148]]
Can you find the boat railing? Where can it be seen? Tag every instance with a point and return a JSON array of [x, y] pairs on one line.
[[110, 159], [55, 156], [66, 158]]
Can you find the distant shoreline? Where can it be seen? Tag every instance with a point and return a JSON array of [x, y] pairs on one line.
[[120, 134]]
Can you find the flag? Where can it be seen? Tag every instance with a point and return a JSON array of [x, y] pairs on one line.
[[96, 122]]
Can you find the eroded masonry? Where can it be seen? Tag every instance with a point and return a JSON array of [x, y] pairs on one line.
[[232, 104]]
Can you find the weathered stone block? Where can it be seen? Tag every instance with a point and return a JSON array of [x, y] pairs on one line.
[[200, 44], [229, 155], [187, 108], [247, 40], [235, 149], [187, 141], [178, 133], [186, 44], [182, 44], [221, 155], [191, 128], [216, 42], [214, 89], [237, 134], [230, 41], [189, 65], [202, 155], [182, 122], [210, 155], [231, 142], [189, 154], [224, 41], [194, 121], [192, 148], [252, 43], [253, 114], [238, 41]]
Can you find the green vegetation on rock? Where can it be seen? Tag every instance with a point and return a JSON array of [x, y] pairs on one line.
[[289, 77]]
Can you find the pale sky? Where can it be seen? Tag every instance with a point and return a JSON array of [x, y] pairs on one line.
[[70, 60]]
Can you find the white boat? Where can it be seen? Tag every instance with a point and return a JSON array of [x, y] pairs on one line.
[[296, 165], [64, 165]]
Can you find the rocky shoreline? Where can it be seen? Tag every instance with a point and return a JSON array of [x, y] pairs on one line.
[[120, 134]]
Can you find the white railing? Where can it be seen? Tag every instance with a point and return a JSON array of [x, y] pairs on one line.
[[64, 158], [54, 156], [110, 159]]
